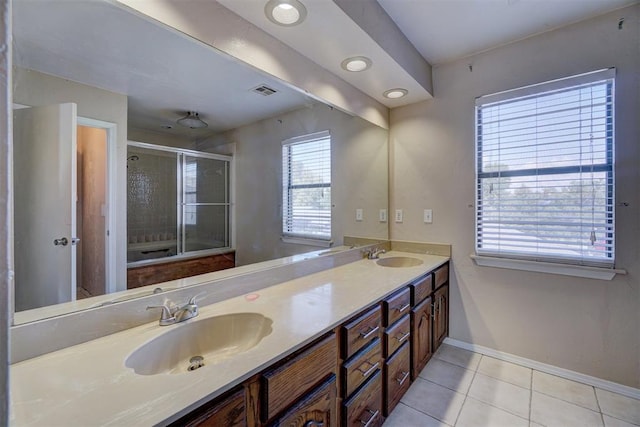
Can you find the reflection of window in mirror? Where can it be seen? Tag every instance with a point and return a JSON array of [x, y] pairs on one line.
[[177, 202], [306, 189]]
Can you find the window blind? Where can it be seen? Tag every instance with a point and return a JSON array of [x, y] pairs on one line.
[[306, 168], [545, 171]]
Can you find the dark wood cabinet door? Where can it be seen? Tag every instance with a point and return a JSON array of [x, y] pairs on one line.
[[441, 303], [364, 408], [421, 349], [317, 409]]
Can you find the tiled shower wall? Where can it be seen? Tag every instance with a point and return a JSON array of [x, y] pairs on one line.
[[151, 197]]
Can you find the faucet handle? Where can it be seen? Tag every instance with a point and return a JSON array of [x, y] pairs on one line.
[[194, 298], [166, 318]]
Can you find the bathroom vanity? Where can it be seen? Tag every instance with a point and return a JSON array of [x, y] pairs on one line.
[[337, 347]]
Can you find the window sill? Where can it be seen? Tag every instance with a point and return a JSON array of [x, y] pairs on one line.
[[308, 242], [548, 267]]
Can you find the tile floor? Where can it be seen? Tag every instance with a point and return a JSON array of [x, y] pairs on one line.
[[465, 389]]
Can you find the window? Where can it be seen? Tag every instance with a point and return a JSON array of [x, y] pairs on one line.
[[545, 172], [306, 187]]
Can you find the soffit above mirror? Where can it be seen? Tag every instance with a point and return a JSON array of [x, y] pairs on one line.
[[163, 72]]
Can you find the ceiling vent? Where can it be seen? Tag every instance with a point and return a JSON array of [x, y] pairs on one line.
[[264, 90]]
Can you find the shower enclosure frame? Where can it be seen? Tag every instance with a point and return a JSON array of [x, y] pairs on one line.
[[181, 161]]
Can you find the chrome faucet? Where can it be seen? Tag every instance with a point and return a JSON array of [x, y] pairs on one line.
[[373, 253], [173, 313]]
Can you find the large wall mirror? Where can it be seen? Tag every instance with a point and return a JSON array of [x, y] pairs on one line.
[[95, 88]]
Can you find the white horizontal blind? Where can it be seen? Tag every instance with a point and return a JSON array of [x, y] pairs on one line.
[[306, 192], [545, 178]]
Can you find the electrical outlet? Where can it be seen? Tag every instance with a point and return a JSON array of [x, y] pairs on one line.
[[383, 215], [428, 216], [398, 215], [359, 214]]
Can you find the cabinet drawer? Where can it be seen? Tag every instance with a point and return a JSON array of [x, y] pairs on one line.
[[396, 306], [442, 275], [285, 384], [397, 335], [360, 367], [318, 408], [421, 289], [361, 331], [227, 411], [364, 409], [396, 377]]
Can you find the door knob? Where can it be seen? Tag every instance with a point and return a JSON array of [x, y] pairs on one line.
[[61, 242]]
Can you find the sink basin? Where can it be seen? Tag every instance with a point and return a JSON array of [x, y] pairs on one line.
[[189, 346], [399, 261]]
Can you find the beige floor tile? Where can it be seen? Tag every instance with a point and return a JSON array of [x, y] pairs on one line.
[[619, 406], [434, 400], [448, 375], [571, 391], [404, 416], [505, 371], [532, 424], [552, 412], [614, 422], [458, 356], [501, 394], [477, 414]]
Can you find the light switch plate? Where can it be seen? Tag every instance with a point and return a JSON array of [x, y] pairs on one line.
[[398, 215], [359, 214], [428, 216], [383, 215]]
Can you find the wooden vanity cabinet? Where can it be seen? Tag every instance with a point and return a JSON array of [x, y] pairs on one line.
[[397, 378], [441, 316], [364, 407]]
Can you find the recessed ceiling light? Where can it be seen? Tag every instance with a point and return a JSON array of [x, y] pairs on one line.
[[395, 93], [356, 63], [285, 12]]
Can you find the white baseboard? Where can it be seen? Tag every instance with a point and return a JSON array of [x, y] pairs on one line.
[[549, 369]]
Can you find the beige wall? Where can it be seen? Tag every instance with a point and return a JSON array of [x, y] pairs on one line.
[[36, 89], [6, 206], [585, 325], [359, 179]]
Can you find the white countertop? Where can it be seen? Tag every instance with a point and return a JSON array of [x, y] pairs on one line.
[[89, 384]]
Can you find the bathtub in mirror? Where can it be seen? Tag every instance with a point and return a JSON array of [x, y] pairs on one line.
[[130, 79]]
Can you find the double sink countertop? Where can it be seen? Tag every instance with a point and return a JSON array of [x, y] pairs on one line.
[[89, 383]]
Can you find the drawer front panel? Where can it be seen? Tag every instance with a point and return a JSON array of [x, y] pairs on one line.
[[442, 275], [361, 331], [397, 306], [361, 366], [421, 289], [396, 377], [397, 335], [283, 385], [364, 409]]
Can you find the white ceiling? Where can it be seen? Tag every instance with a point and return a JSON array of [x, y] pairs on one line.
[[445, 30], [164, 73], [441, 30]]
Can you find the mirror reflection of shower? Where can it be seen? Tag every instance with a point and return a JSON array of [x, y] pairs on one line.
[[177, 202]]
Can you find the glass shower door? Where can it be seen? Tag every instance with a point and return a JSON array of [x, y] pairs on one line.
[[205, 203]]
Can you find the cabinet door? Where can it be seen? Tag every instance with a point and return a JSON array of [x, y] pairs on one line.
[[317, 409], [421, 349], [441, 328]]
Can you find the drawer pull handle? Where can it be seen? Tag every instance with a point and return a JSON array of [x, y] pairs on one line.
[[374, 415], [312, 423], [366, 335], [405, 375], [403, 308], [403, 337], [371, 369]]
